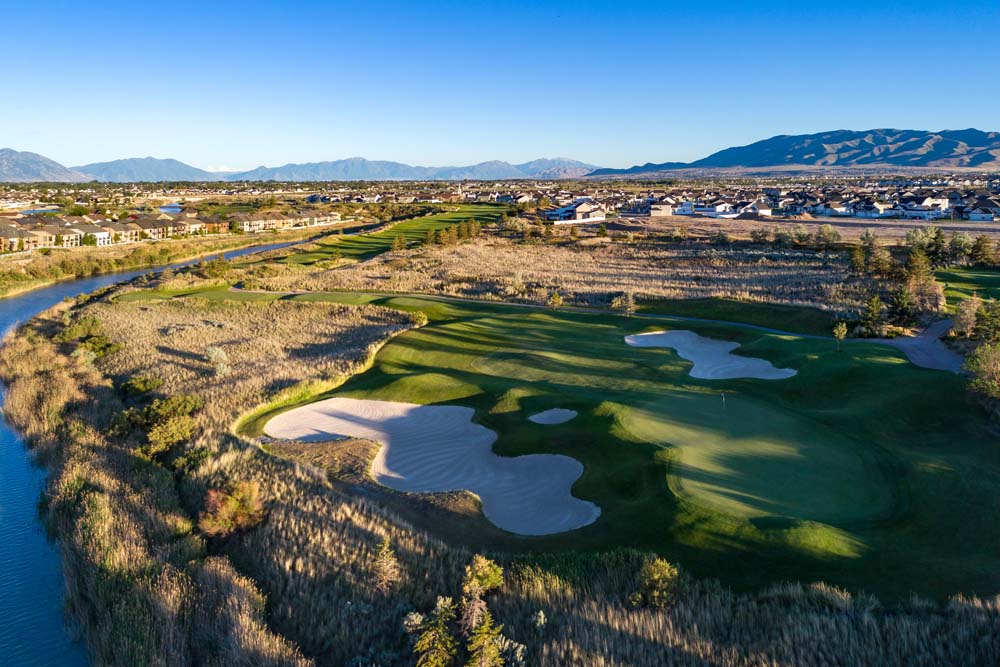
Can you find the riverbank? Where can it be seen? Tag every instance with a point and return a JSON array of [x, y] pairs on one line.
[[116, 259]]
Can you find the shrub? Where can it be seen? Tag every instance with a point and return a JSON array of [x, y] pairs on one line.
[[140, 385], [173, 431], [227, 512], [658, 584]]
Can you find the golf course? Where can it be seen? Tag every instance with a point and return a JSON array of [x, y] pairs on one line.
[[851, 469], [414, 230]]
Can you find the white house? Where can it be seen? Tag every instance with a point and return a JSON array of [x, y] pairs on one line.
[[581, 210]]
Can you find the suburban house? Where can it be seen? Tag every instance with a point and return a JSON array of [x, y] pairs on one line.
[[582, 210]]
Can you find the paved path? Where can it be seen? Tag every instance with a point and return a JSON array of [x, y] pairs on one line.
[[926, 349]]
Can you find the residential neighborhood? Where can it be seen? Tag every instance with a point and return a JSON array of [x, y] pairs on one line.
[[25, 233]]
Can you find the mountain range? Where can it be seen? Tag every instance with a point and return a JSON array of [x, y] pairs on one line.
[[28, 167], [25, 167], [876, 149]]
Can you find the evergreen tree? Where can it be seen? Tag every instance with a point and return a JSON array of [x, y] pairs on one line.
[[387, 568], [982, 252], [937, 248], [988, 322], [873, 316], [857, 260], [436, 647], [484, 644]]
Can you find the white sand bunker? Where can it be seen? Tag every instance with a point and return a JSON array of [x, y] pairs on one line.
[[553, 416], [434, 448], [712, 359]]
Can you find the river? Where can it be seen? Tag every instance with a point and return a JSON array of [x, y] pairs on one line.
[[33, 631]]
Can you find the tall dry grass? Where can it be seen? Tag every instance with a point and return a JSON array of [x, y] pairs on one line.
[[590, 272]]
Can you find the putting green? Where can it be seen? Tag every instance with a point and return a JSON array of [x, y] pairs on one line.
[[747, 459]]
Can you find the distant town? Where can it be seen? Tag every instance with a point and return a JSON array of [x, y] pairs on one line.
[[68, 216]]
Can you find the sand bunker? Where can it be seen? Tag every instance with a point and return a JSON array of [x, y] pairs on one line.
[[712, 359], [434, 448], [553, 416]]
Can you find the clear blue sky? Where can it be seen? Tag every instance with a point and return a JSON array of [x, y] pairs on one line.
[[221, 84]]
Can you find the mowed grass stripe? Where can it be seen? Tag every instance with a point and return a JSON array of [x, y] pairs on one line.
[[415, 230]]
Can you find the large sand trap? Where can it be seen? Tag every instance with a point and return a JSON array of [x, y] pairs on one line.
[[553, 416], [712, 358], [434, 448]]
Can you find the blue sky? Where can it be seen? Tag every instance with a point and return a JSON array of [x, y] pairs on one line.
[[225, 84]]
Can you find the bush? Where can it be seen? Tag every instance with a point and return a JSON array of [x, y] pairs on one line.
[[140, 385], [171, 432], [227, 512], [659, 581]]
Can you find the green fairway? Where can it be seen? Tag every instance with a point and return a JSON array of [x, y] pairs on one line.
[[799, 319], [415, 231], [862, 470], [963, 283]]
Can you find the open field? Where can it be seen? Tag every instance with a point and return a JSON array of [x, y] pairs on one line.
[[887, 230], [414, 231], [591, 272], [824, 475]]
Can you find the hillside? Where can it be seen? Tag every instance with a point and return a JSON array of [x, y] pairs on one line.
[[148, 169], [25, 167], [881, 148]]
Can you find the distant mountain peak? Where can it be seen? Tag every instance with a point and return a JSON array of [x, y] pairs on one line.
[[878, 148], [27, 167]]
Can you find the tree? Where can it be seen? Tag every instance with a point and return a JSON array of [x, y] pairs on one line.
[[555, 300], [484, 644], [982, 251], [959, 247], [436, 647], [602, 230], [659, 581], [399, 243], [387, 570], [984, 364], [873, 317], [481, 576], [879, 261], [760, 235], [966, 313], [840, 333], [858, 263], [988, 322], [926, 292], [937, 248], [827, 236], [429, 238]]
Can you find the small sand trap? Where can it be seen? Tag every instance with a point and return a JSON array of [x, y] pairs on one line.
[[712, 359], [436, 448], [553, 416]]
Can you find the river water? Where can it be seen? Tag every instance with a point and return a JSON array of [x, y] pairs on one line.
[[33, 631]]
